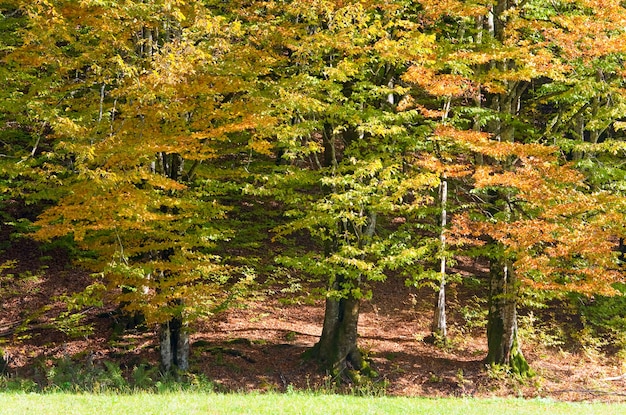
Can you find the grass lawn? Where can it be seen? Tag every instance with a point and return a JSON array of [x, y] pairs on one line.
[[209, 403]]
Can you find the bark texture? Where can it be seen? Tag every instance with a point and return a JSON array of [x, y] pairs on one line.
[[439, 327], [502, 335], [174, 345], [337, 349]]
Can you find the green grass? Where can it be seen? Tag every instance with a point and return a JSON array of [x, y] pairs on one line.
[[182, 403]]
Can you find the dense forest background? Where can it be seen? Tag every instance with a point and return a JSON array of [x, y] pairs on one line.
[[191, 157]]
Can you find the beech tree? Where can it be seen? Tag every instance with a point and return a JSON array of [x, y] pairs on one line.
[[507, 52], [347, 156], [136, 99]]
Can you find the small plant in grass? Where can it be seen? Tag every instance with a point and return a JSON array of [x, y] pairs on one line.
[[172, 382], [198, 383], [267, 385], [79, 376], [12, 384], [143, 376], [83, 375], [113, 376], [329, 385], [369, 388]]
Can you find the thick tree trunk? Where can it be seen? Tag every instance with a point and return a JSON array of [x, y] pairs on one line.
[[502, 336], [4, 365], [173, 337], [174, 344], [337, 348], [165, 343]]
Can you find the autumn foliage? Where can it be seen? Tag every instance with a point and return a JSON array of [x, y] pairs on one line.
[[139, 129]]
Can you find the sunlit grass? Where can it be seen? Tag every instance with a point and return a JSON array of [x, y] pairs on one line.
[[298, 403]]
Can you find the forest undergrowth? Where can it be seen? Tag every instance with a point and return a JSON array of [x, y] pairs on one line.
[[259, 345]]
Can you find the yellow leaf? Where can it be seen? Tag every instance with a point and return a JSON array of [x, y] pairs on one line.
[[261, 146]]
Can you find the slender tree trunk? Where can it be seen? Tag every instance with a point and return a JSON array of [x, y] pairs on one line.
[[439, 326], [174, 345], [502, 336]]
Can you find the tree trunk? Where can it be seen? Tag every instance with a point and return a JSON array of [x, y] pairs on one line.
[[4, 365], [502, 336], [337, 348], [439, 326], [174, 344]]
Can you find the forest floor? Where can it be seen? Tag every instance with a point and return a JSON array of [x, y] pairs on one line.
[[259, 346]]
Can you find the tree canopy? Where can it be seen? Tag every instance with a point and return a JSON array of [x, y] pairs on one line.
[[134, 129]]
